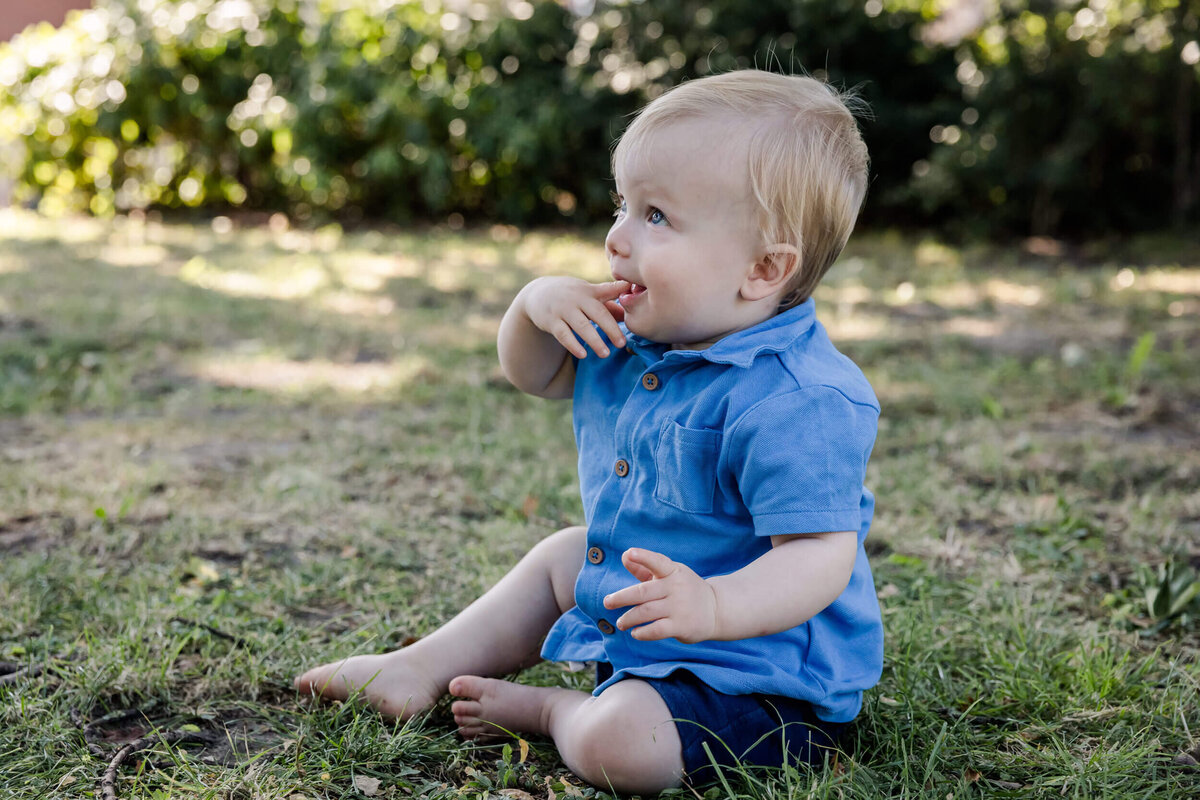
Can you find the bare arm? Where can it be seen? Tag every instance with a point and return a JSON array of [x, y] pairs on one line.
[[789, 584], [539, 330]]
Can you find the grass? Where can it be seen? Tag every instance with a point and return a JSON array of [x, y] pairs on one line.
[[226, 454]]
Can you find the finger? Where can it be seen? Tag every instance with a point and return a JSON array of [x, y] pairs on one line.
[[659, 629], [655, 564], [587, 331], [611, 290], [638, 571], [616, 309], [604, 318], [643, 614], [635, 595], [566, 337]]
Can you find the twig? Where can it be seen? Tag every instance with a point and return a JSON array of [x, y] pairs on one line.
[[108, 783], [220, 634], [15, 672], [88, 735]]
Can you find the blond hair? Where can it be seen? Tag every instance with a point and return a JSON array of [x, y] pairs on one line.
[[807, 161]]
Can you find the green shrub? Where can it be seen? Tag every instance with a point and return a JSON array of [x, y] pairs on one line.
[[263, 104], [1027, 122]]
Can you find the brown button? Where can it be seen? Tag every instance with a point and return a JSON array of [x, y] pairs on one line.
[[629, 349], [650, 381], [621, 468], [605, 627], [595, 555]]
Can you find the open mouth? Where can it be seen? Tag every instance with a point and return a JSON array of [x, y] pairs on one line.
[[634, 291]]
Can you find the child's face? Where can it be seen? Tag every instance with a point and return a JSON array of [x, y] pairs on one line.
[[685, 234]]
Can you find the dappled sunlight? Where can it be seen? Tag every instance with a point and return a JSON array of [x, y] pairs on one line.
[[357, 305], [274, 374], [857, 327], [1014, 294], [21, 225], [134, 255], [369, 272], [282, 283], [1183, 281], [844, 296], [472, 331], [1184, 308], [974, 327], [11, 265], [930, 253], [955, 295], [549, 254]]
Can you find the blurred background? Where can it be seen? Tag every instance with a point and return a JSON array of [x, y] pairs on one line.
[[990, 118]]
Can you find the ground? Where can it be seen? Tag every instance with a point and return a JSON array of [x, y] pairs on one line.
[[231, 451]]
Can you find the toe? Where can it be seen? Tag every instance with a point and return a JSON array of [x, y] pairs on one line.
[[466, 709]]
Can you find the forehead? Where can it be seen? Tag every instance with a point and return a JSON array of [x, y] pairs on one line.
[[703, 153]]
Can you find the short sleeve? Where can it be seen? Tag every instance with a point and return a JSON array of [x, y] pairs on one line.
[[800, 460]]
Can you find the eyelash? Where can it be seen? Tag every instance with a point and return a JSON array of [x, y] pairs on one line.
[[619, 202]]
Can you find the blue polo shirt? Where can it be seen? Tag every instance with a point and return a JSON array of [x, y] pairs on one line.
[[703, 455]]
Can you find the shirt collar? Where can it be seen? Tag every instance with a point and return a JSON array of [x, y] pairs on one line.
[[740, 348]]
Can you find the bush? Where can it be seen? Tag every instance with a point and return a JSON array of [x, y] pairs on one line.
[[402, 110], [262, 104]]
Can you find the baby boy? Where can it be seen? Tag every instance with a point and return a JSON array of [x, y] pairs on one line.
[[720, 581]]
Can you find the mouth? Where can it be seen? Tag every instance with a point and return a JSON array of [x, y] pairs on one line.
[[634, 291]]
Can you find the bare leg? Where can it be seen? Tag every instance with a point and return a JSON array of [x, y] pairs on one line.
[[624, 739], [498, 633]]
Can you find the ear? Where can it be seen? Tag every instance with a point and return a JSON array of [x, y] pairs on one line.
[[773, 271]]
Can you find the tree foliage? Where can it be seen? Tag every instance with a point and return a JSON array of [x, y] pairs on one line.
[[1042, 116]]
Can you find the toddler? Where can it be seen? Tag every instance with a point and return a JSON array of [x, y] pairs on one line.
[[720, 583]]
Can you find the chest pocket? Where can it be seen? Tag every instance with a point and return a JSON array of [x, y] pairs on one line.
[[686, 461]]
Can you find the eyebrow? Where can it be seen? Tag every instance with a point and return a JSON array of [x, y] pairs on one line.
[[651, 189]]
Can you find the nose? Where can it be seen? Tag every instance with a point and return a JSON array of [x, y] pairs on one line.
[[617, 241]]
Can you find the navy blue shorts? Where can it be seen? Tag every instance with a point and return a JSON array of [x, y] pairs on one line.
[[748, 729]]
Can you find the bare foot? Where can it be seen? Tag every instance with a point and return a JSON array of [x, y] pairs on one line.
[[388, 682], [498, 708]]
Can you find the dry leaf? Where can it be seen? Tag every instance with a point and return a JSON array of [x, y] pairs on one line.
[[888, 701], [570, 789], [517, 794], [368, 786], [524, 746], [530, 506], [971, 776]]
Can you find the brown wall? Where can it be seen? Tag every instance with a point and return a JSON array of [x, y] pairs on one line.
[[15, 15]]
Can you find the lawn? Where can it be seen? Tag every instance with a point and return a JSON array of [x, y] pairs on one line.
[[229, 451]]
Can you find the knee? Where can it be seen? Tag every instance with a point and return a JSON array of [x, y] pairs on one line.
[[608, 754]]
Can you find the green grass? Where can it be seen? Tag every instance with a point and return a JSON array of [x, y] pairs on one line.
[[302, 440]]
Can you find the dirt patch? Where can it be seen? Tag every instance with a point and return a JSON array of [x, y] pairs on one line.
[[35, 532], [227, 736]]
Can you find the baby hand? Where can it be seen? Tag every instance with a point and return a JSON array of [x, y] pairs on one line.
[[564, 307], [671, 601]]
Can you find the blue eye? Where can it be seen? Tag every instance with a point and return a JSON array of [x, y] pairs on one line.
[[657, 217]]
